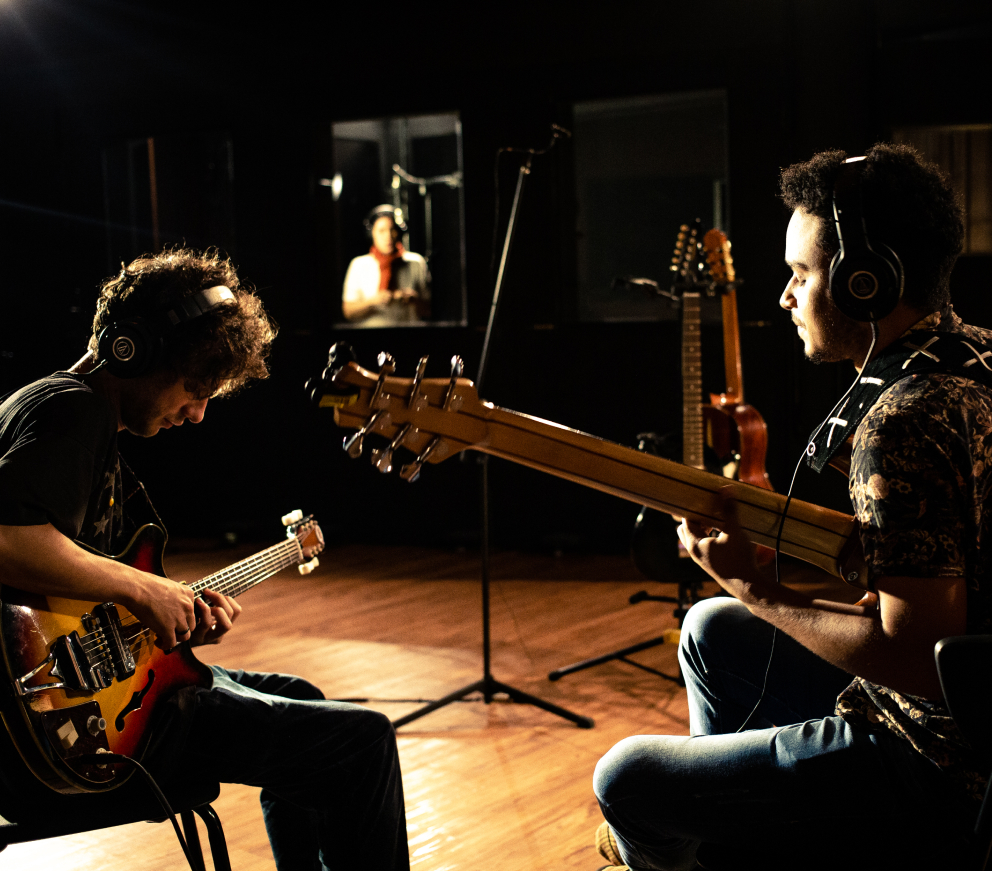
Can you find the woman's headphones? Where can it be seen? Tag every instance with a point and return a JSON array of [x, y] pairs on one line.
[[135, 346], [866, 280], [384, 211]]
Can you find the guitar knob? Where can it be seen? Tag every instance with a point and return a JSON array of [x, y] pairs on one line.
[[95, 725], [293, 517], [306, 568]]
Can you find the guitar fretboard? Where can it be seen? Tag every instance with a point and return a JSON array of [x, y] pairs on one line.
[[243, 575], [692, 383]]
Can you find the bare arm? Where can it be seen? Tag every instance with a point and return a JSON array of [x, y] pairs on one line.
[[359, 309], [891, 645], [40, 559]]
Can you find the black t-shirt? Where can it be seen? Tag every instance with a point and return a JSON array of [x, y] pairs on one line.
[[59, 462]]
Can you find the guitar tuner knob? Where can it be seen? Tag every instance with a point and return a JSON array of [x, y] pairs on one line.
[[293, 517], [353, 445], [410, 472], [307, 567]]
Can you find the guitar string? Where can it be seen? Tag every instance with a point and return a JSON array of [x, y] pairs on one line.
[[268, 562]]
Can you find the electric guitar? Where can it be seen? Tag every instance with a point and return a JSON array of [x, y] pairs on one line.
[[85, 678], [436, 418], [725, 435]]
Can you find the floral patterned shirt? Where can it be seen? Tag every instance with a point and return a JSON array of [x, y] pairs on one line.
[[921, 469]]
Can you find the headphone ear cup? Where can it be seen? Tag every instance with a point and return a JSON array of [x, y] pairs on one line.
[[866, 286], [130, 348]]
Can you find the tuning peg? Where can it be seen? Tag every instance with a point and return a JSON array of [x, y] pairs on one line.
[[417, 400], [382, 458], [387, 365], [411, 471], [307, 567], [293, 517], [322, 391], [353, 443], [452, 402], [386, 361]]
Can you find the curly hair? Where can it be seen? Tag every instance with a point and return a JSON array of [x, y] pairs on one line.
[[908, 204], [216, 353]]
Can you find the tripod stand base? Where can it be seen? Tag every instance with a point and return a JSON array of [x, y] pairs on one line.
[[489, 687]]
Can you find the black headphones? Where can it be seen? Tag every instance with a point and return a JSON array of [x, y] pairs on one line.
[[866, 280], [135, 346], [384, 211]]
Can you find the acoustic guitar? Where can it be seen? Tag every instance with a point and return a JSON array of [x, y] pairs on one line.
[[435, 418], [725, 435], [85, 678]]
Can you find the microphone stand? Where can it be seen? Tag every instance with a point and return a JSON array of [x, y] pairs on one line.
[[488, 685]]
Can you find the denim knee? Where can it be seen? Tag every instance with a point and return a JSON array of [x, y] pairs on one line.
[[622, 765], [711, 618]]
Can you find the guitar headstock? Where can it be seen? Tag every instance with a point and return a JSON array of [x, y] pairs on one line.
[[721, 264], [685, 266], [309, 537], [431, 418], [306, 531]]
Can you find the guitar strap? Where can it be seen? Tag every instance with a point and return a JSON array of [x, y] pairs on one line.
[[921, 352]]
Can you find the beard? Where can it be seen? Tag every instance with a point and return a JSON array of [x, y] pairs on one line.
[[837, 337]]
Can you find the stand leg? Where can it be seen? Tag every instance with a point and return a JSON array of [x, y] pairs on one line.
[[616, 654]]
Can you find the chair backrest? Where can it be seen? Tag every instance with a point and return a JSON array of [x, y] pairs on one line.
[[964, 665]]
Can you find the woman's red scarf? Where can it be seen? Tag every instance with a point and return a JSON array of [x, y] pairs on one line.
[[386, 263]]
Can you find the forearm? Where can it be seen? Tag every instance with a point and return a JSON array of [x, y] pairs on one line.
[[40, 559], [855, 639]]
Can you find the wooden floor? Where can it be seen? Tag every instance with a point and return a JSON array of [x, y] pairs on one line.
[[502, 785]]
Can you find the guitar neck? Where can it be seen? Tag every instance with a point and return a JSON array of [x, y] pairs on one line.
[[243, 575], [437, 418], [692, 382], [819, 536]]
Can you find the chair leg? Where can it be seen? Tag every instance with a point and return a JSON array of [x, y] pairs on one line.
[[193, 840], [215, 833]]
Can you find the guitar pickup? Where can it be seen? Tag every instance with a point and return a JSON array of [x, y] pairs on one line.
[[120, 651]]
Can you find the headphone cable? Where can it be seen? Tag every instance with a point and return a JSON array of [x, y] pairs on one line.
[[785, 514]]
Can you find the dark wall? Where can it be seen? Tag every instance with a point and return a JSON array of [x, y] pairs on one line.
[[800, 76]]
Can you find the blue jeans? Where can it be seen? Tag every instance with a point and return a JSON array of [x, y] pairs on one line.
[[331, 794], [817, 793]]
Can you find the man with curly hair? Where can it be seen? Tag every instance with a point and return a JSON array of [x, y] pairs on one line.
[[172, 331], [838, 750]]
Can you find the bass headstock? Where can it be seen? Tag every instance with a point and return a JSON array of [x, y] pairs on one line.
[[430, 418]]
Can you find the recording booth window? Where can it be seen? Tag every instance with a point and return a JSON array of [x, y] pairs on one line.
[[643, 166], [390, 191]]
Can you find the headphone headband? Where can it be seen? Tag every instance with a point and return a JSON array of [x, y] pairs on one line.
[[134, 346], [866, 280]]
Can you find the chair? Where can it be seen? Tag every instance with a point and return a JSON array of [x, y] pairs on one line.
[[34, 814], [964, 665]]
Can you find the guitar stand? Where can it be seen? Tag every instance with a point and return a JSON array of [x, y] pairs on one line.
[[689, 592]]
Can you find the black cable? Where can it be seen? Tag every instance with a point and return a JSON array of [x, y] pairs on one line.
[[785, 513], [105, 758]]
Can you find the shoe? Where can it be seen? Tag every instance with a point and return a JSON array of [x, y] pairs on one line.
[[607, 847]]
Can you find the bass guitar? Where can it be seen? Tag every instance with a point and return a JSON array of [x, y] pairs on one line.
[[85, 678], [436, 418]]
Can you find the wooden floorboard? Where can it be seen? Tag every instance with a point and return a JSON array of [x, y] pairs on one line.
[[501, 785]]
